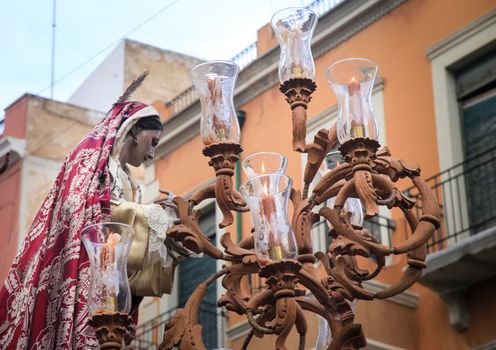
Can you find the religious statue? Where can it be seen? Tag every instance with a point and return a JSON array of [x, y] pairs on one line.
[[43, 300]]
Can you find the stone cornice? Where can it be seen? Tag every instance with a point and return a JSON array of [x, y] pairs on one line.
[[340, 24], [475, 27]]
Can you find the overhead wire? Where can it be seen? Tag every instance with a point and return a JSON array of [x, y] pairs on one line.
[[98, 53], [43, 144], [115, 42]]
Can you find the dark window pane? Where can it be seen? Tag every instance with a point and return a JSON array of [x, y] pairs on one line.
[[192, 272]]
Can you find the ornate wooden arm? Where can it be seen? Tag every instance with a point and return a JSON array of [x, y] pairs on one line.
[[298, 94], [223, 158], [368, 174]]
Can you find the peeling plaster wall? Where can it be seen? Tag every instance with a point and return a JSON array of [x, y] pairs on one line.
[[53, 129], [169, 71]]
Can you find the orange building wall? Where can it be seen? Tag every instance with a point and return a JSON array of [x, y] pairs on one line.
[[184, 169], [267, 39], [389, 323], [482, 303], [10, 182], [397, 43]]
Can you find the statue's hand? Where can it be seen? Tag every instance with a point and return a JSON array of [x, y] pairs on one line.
[[170, 208], [167, 200]]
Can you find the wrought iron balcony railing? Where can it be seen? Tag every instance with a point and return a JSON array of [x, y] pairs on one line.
[[467, 194], [149, 335]]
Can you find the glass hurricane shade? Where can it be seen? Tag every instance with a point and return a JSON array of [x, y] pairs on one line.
[[267, 198], [352, 80], [324, 335], [264, 163], [294, 28], [108, 246], [214, 81]]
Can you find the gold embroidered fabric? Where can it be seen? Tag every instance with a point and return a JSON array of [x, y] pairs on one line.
[[145, 277]]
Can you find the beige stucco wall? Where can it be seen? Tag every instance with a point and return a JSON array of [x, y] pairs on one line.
[[54, 128], [169, 71]]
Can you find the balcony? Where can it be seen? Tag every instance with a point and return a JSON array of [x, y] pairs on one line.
[[462, 253]]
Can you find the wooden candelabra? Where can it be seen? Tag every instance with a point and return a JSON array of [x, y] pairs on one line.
[[291, 286]]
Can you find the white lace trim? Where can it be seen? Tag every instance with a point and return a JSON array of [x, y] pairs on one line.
[[159, 220]]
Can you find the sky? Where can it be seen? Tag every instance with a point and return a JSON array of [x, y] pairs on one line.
[[88, 30]]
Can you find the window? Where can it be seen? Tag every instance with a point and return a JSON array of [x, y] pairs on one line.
[[463, 74], [194, 271], [476, 95], [447, 57]]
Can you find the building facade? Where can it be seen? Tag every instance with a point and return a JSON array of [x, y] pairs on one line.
[[435, 104]]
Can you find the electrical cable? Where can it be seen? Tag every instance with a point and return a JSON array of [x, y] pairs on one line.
[[63, 77]]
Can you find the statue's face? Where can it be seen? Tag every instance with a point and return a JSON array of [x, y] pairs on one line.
[[145, 149]]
